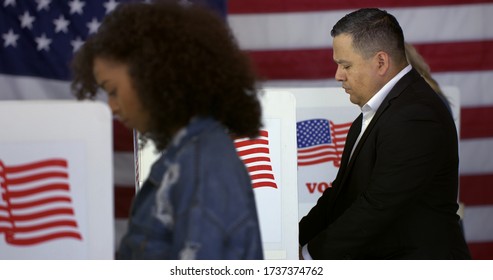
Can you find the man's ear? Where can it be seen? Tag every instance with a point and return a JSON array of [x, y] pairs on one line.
[[383, 62]]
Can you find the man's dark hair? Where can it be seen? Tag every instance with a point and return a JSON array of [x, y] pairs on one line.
[[373, 30]]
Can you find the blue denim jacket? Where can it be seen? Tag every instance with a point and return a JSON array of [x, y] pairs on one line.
[[197, 202]]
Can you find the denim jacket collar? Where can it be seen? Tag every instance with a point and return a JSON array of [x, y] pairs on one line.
[[181, 138]]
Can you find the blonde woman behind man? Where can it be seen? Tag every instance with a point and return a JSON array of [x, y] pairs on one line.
[[418, 62]]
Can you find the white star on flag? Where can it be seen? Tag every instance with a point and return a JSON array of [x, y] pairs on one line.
[[26, 20], [43, 4], [43, 42], [93, 25], [76, 7], [61, 24], [76, 44], [110, 6], [9, 2], [10, 39]]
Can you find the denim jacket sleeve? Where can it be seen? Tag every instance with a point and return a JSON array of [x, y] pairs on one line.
[[215, 215], [197, 203]]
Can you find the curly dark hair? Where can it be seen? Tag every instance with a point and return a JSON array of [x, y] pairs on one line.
[[183, 62]]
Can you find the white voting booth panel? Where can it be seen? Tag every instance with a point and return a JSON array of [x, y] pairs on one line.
[[276, 199], [56, 177], [329, 111], [277, 207], [323, 117]]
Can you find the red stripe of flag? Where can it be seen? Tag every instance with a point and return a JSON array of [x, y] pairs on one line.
[[309, 64], [466, 56], [256, 159], [293, 64], [40, 202], [264, 184], [48, 225], [37, 177], [253, 150], [38, 189], [476, 122], [263, 133], [124, 196], [36, 165], [481, 250], [123, 140], [43, 214], [262, 176], [241, 144], [321, 160], [476, 189], [341, 127], [324, 153], [316, 148], [259, 168], [44, 238]]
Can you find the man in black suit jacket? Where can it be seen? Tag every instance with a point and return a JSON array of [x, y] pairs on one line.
[[395, 195]]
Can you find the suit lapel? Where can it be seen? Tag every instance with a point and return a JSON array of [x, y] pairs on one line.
[[351, 138], [352, 135], [399, 87]]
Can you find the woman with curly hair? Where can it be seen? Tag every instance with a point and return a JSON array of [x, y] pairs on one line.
[[176, 74]]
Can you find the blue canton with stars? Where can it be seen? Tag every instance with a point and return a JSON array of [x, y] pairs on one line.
[[39, 37], [313, 132]]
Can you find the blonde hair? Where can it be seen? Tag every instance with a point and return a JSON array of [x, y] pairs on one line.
[[419, 63]]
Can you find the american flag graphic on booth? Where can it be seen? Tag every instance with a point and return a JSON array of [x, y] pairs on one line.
[[255, 153], [36, 206], [320, 140]]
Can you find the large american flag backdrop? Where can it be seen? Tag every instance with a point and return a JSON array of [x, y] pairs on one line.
[[290, 45]]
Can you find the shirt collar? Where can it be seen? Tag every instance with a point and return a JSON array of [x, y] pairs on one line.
[[374, 103]]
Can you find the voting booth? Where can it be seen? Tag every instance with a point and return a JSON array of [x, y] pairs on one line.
[[277, 205], [323, 117], [271, 162], [56, 180]]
